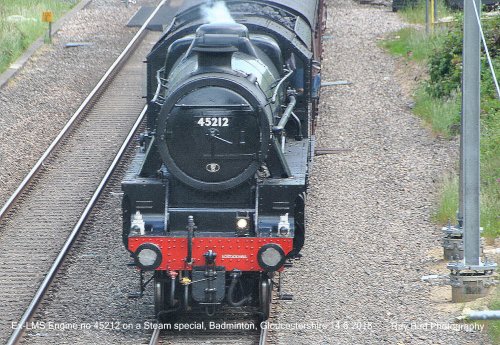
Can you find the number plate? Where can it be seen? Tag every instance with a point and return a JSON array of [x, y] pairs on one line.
[[213, 122]]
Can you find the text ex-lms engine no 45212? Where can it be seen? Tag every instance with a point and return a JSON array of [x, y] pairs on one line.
[[214, 199]]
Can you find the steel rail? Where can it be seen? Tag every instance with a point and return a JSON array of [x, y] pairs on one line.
[[155, 337], [93, 96], [73, 235], [87, 103], [263, 336]]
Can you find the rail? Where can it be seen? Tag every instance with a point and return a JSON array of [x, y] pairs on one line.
[[84, 107], [79, 114], [72, 237], [155, 336]]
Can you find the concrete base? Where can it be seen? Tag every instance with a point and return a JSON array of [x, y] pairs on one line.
[[470, 287], [470, 282]]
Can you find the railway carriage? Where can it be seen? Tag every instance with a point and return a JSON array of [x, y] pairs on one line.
[[214, 198]]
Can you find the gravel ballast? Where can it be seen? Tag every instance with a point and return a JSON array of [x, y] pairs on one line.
[[36, 104], [369, 230]]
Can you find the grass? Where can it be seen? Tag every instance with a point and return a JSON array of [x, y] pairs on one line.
[[490, 194], [21, 25], [416, 14], [447, 210], [441, 115], [490, 206], [494, 326], [413, 43]]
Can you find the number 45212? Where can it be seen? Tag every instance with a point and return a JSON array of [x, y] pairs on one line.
[[213, 122]]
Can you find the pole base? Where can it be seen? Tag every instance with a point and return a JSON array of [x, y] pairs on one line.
[[453, 248], [471, 282], [470, 288], [453, 243]]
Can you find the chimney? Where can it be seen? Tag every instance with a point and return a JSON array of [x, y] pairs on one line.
[[216, 43]]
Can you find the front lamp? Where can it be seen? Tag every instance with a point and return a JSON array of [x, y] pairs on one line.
[[271, 257], [242, 223], [148, 256]]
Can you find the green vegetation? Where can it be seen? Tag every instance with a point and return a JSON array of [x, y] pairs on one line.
[[443, 115], [416, 14], [414, 44], [438, 103], [445, 68], [448, 202], [493, 327], [21, 25]]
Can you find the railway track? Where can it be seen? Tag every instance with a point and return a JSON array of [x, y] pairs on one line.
[[249, 334], [228, 327], [41, 220]]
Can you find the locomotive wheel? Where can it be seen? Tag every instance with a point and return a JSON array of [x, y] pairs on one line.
[[265, 296], [160, 295], [161, 298]]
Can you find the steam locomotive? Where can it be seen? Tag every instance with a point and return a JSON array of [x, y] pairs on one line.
[[213, 201]]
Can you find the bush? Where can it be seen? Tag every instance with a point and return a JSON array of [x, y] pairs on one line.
[[438, 102], [445, 64]]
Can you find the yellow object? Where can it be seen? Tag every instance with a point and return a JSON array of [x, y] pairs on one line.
[[185, 281], [432, 13], [47, 16]]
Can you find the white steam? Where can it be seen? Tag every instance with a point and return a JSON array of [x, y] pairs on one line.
[[217, 13]]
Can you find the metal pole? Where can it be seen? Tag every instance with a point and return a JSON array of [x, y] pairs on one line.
[[484, 315], [460, 213], [427, 16], [432, 15], [470, 132], [435, 11], [50, 32]]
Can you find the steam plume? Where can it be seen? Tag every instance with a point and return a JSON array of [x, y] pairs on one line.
[[217, 13]]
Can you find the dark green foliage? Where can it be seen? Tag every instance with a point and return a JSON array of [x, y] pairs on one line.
[[445, 65], [438, 102]]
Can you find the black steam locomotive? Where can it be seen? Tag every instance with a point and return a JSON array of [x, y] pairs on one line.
[[214, 198]]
